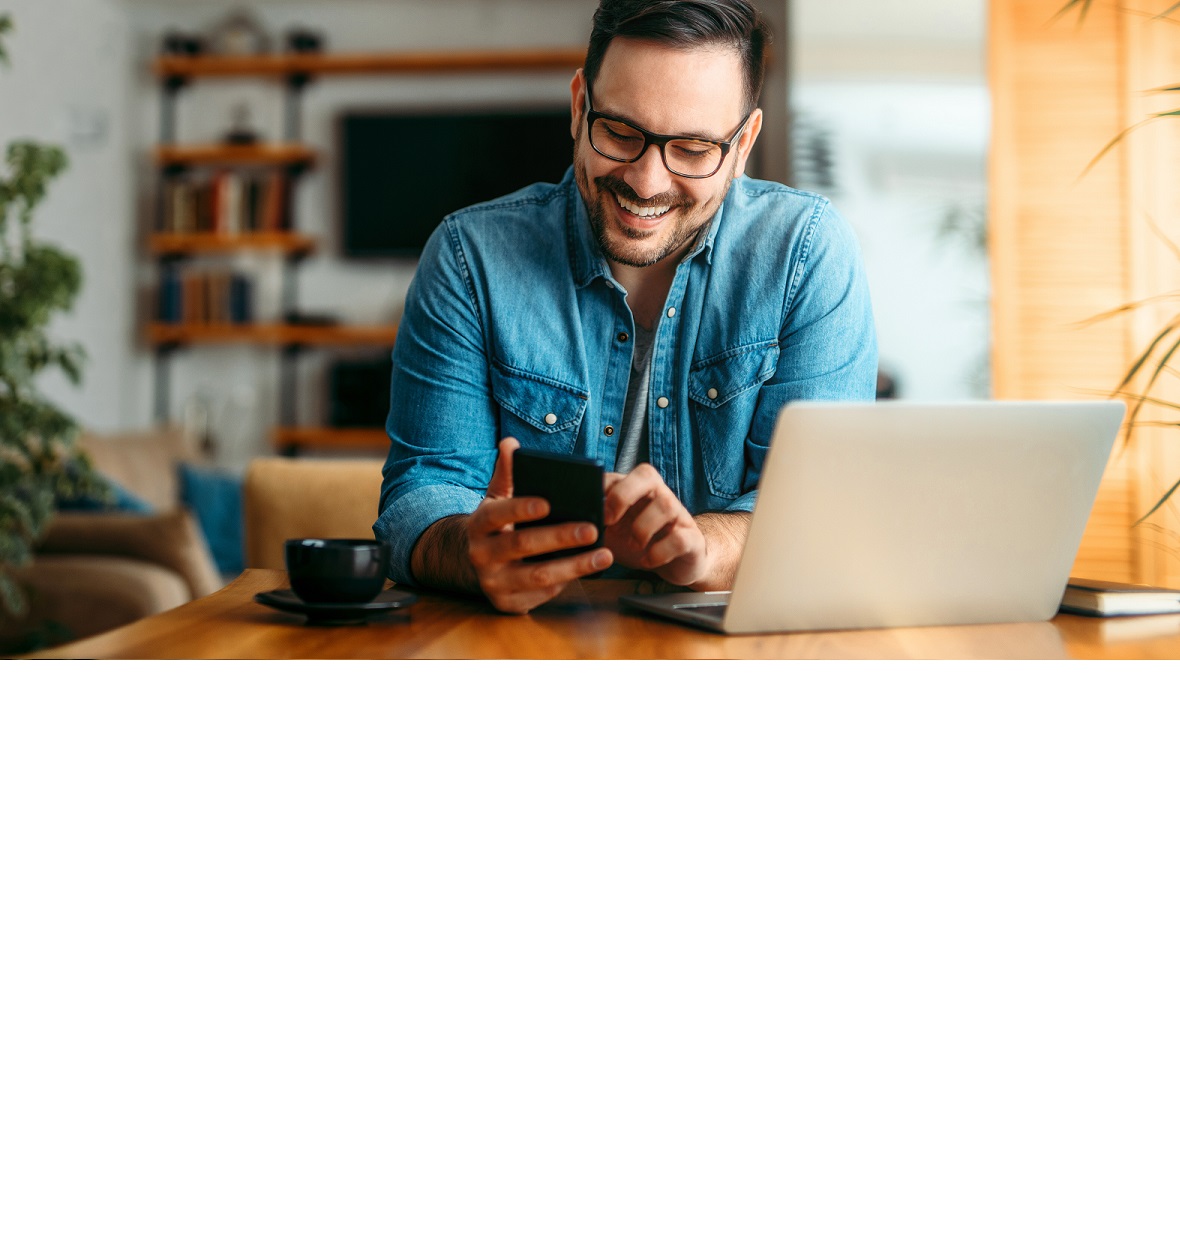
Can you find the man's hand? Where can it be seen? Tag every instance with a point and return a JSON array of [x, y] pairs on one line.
[[487, 551], [648, 527]]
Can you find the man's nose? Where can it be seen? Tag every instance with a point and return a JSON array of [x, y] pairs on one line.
[[648, 176]]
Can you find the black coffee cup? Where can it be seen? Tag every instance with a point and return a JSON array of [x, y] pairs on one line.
[[336, 570]]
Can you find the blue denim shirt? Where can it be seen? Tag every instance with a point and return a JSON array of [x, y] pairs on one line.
[[514, 326]]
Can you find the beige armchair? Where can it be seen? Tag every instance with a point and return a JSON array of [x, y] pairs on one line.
[[292, 498], [97, 570]]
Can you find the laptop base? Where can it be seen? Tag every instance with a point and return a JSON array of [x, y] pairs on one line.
[[704, 610]]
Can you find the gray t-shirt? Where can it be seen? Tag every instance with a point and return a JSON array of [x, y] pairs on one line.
[[633, 432]]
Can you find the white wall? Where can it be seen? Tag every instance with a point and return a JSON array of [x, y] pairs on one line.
[[900, 89], [68, 83], [879, 39], [909, 154]]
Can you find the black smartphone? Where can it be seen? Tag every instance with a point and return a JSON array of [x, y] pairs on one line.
[[571, 484]]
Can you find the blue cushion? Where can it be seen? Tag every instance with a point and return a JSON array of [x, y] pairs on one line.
[[120, 500], [215, 498]]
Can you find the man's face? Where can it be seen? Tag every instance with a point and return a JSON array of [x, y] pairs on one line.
[[696, 92]]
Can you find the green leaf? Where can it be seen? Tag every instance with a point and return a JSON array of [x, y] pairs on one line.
[[1083, 7], [1130, 305], [1159, 232], [14, 551], [1147, 120], [1155, 374], [1141, 361], [12, 597], [1147, 400], [1160, 502], [16, 512], [38, 462]]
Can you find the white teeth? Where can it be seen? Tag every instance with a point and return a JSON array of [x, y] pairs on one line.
[[644, 213]]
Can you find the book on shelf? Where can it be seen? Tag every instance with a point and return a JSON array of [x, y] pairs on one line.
[[170, 304], [200, 297], [274, 208], [1113, 598], [226, 206], [241, 294], [226, 203]]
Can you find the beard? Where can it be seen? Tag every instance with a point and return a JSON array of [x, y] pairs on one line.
[[637, 247]]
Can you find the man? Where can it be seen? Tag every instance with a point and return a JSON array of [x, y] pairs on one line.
[[655, 310]]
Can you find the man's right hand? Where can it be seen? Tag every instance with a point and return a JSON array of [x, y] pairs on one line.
[[496, 549]]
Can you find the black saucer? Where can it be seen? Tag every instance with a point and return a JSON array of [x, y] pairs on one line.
[[336, 613]]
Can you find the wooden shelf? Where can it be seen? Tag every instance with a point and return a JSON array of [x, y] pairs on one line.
[[340, 335], [290, 71], [257, 153], [344, 438], [323, 64], [227, 243]]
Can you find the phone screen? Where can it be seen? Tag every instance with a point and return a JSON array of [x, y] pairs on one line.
[[571, 484]]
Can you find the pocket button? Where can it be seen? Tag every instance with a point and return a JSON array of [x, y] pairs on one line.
[[550, 418]]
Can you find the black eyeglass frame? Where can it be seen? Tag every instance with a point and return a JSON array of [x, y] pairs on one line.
[[660, 140]]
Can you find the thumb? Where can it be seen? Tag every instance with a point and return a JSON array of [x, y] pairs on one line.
[[500, 486]]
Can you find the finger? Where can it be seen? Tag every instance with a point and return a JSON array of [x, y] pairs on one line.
[[676, 543], [643, 482], [501, 483], [658, 518], [540, 540], [494, 515], [521, 587], [555, 574]]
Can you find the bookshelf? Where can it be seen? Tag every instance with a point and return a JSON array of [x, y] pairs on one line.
[[227, 199], [228, 153], [308, 65], [165, 243], [284, 335]]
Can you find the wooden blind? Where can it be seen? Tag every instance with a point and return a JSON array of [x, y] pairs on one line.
[[1070, 243]]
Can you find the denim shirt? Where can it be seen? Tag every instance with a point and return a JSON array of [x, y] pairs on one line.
[[514, 325]]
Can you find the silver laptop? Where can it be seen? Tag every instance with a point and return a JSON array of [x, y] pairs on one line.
[[891, 514]]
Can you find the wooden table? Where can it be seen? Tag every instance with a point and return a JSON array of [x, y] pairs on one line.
[[583, 623]]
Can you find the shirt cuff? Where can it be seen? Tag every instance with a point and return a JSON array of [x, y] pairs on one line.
[[411, 514], [743, 503]]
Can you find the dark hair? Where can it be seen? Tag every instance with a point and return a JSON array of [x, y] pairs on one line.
[[684, 23]]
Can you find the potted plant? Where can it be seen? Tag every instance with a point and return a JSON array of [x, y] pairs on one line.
[[39, 464], [1160, 357]]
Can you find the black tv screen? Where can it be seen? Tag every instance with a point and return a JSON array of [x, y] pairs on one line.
[[401, 172]]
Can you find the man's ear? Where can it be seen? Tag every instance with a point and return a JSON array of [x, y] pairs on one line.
[[577, 102], [747, 140]]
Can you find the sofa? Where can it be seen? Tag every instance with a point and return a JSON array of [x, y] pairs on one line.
[[95, 570]]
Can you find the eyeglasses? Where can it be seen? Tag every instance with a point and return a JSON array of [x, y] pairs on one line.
[[683, 156]]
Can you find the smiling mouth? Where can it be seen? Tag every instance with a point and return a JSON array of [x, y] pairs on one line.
[[642, 213]]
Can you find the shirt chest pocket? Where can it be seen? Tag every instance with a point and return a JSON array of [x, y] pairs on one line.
[[723, 392], [542, 413]]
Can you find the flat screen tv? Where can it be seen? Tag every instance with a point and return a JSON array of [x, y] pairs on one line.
[[401, 172]]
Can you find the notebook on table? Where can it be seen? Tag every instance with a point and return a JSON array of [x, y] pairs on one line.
[[895, 514]]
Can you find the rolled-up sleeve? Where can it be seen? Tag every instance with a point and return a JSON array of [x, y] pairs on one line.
[[442, 421]]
